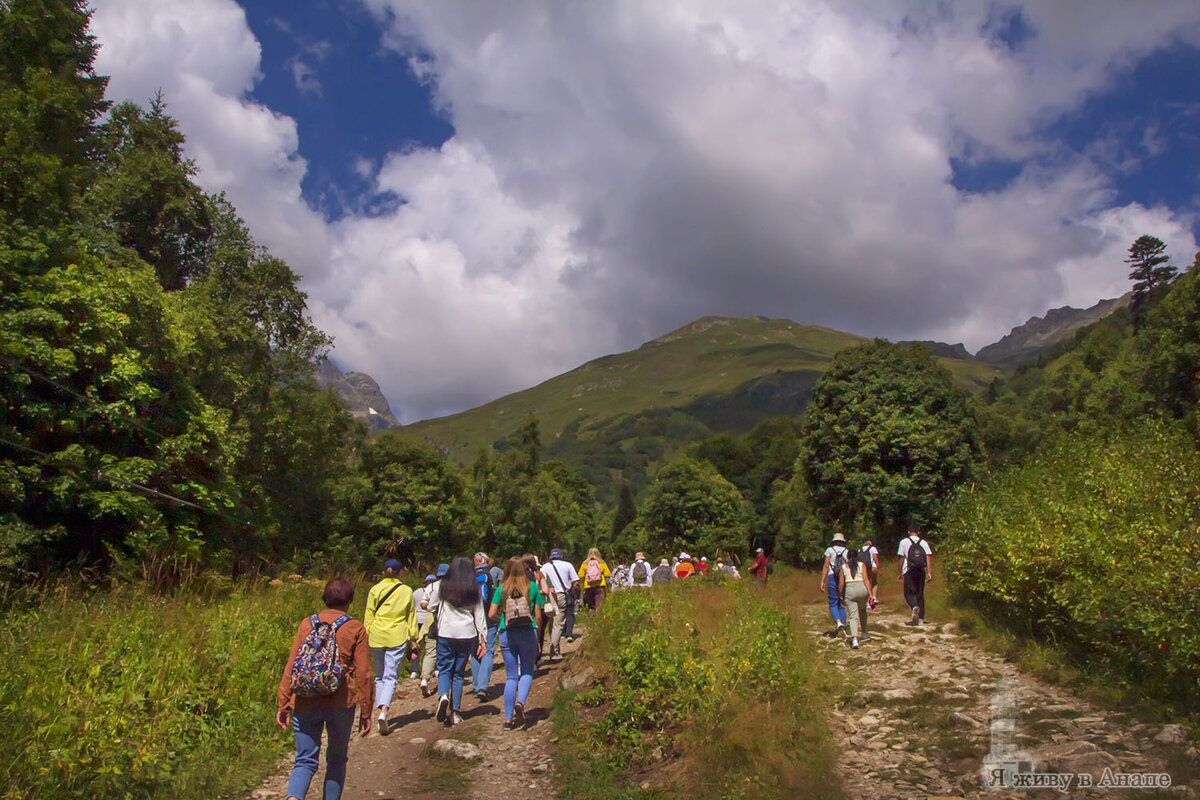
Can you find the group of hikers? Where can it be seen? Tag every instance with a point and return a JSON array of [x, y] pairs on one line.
[[469, 606], [850, 579]]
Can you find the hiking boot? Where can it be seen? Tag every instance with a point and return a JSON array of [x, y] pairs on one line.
[[915, 615], [518, 714], [443, 708]]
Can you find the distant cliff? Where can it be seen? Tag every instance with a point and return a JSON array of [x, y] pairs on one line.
[[361, 394], [1026, 342]]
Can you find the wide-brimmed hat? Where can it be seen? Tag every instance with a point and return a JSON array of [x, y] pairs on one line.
[[639, 556], [839, 538], [664, 563]]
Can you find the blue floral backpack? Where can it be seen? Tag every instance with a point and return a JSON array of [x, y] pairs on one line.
[[317, 669]]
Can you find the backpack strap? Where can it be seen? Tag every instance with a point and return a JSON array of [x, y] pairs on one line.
[[388, 594], [337, 623]]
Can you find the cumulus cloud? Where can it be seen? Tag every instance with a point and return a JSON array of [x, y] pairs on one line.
[[620, 168]]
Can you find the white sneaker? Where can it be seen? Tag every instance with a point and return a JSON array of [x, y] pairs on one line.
[[443, 708], [413, 676], [854, 642], [383, 725]]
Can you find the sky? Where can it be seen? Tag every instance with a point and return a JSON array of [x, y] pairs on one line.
[[481, 195]]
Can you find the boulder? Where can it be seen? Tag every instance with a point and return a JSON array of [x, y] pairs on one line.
[[898, 694], [453, 747], [1172, 734], [575, 682]]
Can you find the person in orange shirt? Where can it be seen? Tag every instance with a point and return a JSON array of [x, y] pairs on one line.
[[332, 713], [684, 568]]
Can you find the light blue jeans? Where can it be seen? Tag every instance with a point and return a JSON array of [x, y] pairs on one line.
[[452, 656], [835, 605], [519, 649], [387, 661], [307, 726], [481, 668]]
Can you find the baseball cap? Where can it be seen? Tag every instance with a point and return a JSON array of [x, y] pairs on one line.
[[392, 564], [442, 570], [430, 578], [556, 553]]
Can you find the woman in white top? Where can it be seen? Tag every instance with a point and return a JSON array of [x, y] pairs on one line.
[[462, 631], [854, 587]]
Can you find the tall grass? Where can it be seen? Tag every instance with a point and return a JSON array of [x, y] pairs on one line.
[[128, 694], [703, 689]]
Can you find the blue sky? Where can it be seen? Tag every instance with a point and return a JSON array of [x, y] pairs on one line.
[[479, 196]]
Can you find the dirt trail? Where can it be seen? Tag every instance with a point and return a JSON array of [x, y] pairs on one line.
[[922, 708], [402, 764]]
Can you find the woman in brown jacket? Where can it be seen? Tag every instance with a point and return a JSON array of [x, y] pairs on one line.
[[332, 712]]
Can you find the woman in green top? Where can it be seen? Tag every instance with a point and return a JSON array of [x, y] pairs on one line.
[[517, 603]]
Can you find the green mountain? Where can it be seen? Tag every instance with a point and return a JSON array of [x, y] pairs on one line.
[[620, 414]]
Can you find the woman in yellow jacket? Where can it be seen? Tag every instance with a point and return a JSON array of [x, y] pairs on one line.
[[391, 622], [594, 575]]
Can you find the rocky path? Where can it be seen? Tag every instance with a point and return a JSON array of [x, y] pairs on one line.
[[923, 711], [424, 758]]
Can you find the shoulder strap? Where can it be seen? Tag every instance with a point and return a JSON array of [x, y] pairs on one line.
[[314, 621], [557, 574], [386, 595]]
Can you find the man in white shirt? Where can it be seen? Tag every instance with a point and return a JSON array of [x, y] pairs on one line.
[[915, 569], [564, 580], [641, 571]]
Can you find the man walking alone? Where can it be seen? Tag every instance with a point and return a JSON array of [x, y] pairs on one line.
[[916, 567]]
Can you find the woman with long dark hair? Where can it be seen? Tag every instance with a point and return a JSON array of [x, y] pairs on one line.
[[517, 603], [461, 631]]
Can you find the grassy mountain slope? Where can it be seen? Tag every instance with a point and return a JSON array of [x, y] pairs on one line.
[[622, 413]]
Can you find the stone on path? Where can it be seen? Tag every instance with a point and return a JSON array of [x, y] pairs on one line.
[[1172, 734], [573, 683], [453, 747], [1077, 757]]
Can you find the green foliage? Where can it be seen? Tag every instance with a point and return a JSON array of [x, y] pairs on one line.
[[887, 437], [131, 694], [1093, 544], [709, 673], [691, 507], [1149, 269]]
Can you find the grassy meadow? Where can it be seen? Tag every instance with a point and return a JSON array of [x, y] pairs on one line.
[[124, 693]]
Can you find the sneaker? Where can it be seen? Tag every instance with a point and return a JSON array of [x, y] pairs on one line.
[[455, 718], [921, 621], [841, 630], [518, 714], [481, 695], [507, 726], [425, 690], [854, 642], [864, 637], [915, 615], [413, 676], [383, 725], [443, 708]]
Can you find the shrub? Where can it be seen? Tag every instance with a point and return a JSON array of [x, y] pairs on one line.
[[1092, 545]]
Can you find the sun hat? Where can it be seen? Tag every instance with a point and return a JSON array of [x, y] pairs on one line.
[[684, 557], [664, 563], [555, 553], [442, 570], [430, 578], [639, 556], [704, 559], [392, 564], [837, 537]]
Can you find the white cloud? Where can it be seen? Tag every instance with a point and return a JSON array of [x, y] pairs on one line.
[[622, 167]]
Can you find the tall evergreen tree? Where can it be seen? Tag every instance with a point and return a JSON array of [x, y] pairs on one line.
[[1148, 269]]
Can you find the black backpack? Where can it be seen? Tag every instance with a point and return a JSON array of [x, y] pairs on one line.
[[640, 571], [916, 557], [837, 562]]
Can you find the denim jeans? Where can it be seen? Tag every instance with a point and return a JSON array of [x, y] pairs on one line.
[[519, 648], [387, 661], [481, 668], [835, 606], [569, 624], [307, 726], [452, 657]]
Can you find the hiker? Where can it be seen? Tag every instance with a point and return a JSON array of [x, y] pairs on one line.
[[309, 712], [517, 604], [760, 568], [684, 568], [835, 556], [854, 588], [620, 578], [391, 623], [426, 633], [488, 578], [916, 568], [462, 631], [640, 573], [702, 565], [595, 574], [533, 568], [562, 578], [868, 554], [662, 573]]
